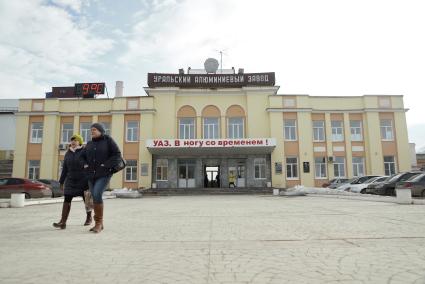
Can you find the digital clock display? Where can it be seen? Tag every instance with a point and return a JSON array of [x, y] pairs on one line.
[[89, 90]]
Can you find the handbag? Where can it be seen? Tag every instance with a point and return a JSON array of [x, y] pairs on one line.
[[88, 199]]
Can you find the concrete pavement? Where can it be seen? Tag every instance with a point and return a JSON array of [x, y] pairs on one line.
[[217, 239]]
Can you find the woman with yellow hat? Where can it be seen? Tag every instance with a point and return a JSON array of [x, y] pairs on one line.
[[73, 180]]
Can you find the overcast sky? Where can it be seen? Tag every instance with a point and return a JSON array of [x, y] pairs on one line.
[[326, 47]]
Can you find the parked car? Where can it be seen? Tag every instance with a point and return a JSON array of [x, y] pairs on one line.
[[334, 183], [54, 186], [388, 186], [31, 188], [416, 185], [358, 180], [361, 187]]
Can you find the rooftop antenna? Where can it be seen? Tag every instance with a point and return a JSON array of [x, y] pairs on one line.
[[221, 58]]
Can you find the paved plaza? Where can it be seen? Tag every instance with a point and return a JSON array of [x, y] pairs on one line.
[[217, 239]]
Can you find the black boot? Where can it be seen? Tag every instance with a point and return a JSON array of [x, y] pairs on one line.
[[65, 212], [89, 219]]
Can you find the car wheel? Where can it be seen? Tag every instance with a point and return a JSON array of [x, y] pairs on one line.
[[363, 191], [392, 192], [27, 195], [423, 193]]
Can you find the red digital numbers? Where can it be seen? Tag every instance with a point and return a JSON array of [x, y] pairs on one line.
[[89, 89]]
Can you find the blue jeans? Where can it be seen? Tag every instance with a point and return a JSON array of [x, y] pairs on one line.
[[97, 187]]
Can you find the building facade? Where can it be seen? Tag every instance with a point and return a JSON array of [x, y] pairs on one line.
[[221, 133]]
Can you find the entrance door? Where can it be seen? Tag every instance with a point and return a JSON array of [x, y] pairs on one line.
[[241, 176], [186, 175], [212, 176]]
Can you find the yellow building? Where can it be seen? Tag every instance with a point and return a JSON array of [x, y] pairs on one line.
[[197, 130]]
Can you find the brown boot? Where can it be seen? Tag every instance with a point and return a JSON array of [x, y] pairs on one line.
[[98, 218], [65, 212], [88, 219]]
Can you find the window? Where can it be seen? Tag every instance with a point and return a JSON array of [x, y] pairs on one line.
[[320, 167], [132, 131], [186, 128], [85, 131], [290, 129], [318, 130], [107, 126], [260, 168], [389, 165], [292, 167], [162, 169], [67, 132], [235, 128], [211, 128], [358, 166], [339, 167], [33, 169], [131, 171], [356, 130], [387, 129], [36, 132], [337, 130]]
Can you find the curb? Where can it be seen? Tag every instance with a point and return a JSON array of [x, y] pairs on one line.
[[31, 202]]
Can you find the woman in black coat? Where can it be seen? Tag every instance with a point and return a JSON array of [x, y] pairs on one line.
[[73, 180], [99, 156]]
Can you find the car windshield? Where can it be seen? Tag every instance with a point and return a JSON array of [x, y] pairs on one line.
[[351, 180], [381, 179], [394, 178], [417, 178], [371, 180], [3, 181]]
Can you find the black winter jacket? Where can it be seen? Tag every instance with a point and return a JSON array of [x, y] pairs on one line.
[[100, 154], [73, 175]]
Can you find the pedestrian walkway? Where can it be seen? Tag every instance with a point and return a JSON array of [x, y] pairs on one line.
[[217, 239]]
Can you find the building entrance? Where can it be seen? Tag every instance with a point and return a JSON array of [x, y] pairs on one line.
[[186, 174], [212, 176]]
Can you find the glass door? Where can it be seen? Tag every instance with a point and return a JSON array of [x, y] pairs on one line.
[[186, 175], [241, 176]]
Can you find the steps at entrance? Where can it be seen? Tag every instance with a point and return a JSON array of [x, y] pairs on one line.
[[205, 191]]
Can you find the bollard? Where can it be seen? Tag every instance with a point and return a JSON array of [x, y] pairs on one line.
[[275, 191], [404, 196], [17, 200]]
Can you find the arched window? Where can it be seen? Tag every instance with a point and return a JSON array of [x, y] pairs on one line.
[[211, 122], [235, 122], [186, 117]]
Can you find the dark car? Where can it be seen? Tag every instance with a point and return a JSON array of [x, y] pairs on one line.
[[31, 188], [388, 186], [54, 186], [416, 184]]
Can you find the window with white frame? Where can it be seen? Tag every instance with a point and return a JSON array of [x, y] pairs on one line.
[[131, 171], [339, 167], [162, 169], [318, 130], [107, 127], [187, 128], [292, 167], [260, 168], [356, 130], [211, 128], [36, 132], [320, 167], [33, 169], [337, 130], [387, 129], [389, 165], [358, 166], [67, 132], [132, 131], [85, 131], [290, 129], [235, 129]]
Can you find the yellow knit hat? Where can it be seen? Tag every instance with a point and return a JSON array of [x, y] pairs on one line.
[[78, 138]]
